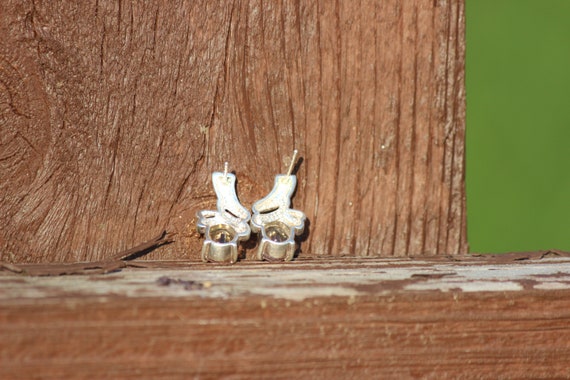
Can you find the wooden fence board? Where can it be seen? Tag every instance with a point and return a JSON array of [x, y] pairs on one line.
[[113, 114], [466, 317]]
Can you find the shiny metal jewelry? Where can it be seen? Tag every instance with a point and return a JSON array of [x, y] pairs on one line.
[[224, 228], [277, 223]]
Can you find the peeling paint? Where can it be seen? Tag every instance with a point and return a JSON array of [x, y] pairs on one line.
[[298, 281]]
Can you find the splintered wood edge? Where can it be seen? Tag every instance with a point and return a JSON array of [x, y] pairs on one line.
[[298, 280]]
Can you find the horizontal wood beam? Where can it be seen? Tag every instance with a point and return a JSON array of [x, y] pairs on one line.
[[466, 316]]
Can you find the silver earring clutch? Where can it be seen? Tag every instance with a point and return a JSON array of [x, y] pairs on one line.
[[225, 227], [276, 222]]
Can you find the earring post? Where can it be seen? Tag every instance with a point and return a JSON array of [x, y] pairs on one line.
[[295, 152]]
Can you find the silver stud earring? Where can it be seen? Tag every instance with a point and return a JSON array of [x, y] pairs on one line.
[[275, 221], [224, 228]]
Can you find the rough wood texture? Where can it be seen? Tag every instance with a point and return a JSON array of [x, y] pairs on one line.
[[113, 114], [437, 318]]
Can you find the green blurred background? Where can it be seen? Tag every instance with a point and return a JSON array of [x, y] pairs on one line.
[[518, 124]]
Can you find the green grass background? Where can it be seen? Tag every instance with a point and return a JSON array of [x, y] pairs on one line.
[[518, 124]]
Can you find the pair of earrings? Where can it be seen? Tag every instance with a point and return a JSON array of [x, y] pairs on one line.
[[232, 223]]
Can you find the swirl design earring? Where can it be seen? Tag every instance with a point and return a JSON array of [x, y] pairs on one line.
[[277, 222], [225, 227]]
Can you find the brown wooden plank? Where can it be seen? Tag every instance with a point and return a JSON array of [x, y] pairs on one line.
[[468, 317], [114, 114]]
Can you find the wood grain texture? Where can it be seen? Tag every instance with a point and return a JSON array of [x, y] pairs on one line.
[[113, 114], [320, 319]]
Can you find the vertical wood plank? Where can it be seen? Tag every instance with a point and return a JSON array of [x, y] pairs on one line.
[[113, 114]]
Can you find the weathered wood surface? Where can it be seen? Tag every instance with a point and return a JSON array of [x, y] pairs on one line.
[[113, 114], [466, 317]]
